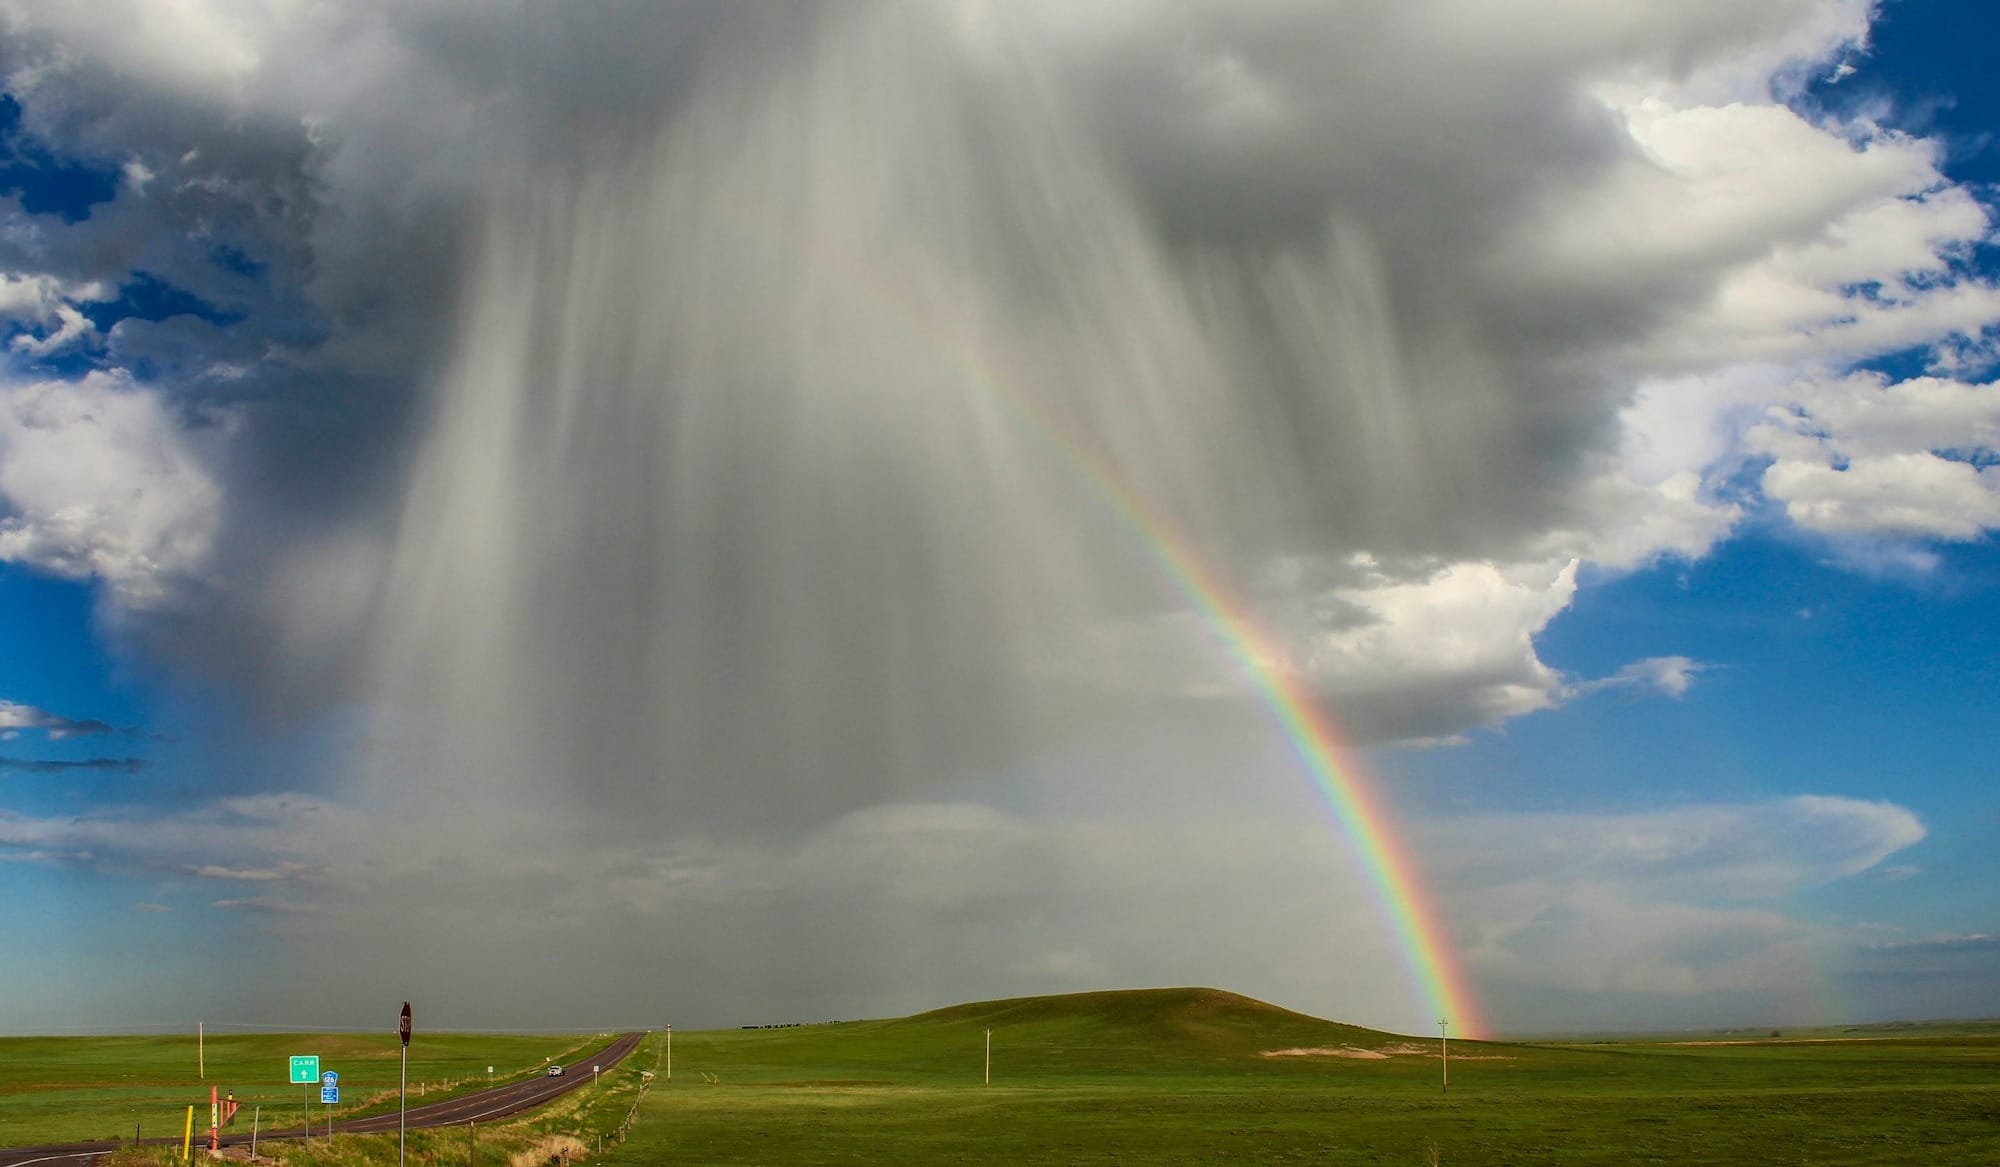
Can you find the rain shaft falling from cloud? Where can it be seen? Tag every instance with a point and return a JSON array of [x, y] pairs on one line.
[[671, 414], [751, 492]]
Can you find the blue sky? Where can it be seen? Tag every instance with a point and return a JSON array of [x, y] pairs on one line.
[[1668, 629]]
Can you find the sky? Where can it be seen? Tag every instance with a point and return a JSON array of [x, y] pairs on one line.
[[803, 512]]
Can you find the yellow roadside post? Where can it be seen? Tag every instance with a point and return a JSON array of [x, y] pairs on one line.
[[187, 1137]]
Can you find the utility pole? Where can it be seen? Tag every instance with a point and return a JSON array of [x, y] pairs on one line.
[[1444, 1054]]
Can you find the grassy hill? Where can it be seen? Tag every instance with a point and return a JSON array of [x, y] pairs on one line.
[[1183, 1032], [1200, 1024]]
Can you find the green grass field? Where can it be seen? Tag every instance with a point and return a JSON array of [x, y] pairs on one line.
[[1185, 1076], [69, 1089], [1182, 1077]]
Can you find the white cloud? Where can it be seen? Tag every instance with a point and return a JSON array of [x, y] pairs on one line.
[[1669, 676], [269, 905], [260, 826], [16, 716], [1785, 241], [1865, 415], [137, 174], [1859, 456], [1852, 456], [276, 873], [31, 296], [1402, 653], [70, 325], [1918, 495], [1428, 656], [1411, 652], [45, 300], [1678, 901], [1822, 244], [1718, 187], [1624, 522], [200, 45], [1591, 941], [908, 905], [1752, 851], [1472, 619], [99, 481]]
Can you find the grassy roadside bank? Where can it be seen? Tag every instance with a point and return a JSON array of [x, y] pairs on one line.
[[74, 1089], [587, 1123]]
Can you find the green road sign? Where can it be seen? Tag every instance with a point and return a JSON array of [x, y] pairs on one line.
[[305, 1069]]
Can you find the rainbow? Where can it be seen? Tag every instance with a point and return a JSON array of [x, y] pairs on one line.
[[1358, 808], [1316, 741], [1308, 728]]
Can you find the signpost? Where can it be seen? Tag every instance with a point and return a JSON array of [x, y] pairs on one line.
[[305, 1072], [329, 1097], [403, 1091]]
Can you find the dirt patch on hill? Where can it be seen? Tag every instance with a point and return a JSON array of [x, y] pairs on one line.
[[1400, 1049]]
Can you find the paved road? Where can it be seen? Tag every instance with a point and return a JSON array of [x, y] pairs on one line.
[[483, 1106]]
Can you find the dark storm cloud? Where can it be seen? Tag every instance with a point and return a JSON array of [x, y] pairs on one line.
[[308, 178], [1412, 145], [298, 185]]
